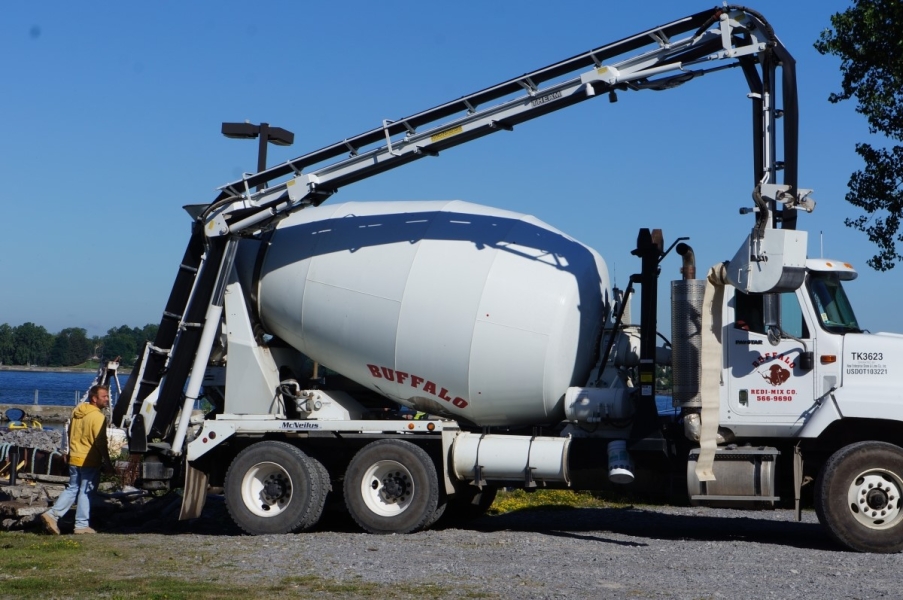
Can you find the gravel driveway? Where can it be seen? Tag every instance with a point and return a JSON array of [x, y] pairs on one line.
[[641, 552]]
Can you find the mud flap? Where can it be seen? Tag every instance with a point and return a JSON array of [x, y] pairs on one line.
[[194, 495], [797, 481]]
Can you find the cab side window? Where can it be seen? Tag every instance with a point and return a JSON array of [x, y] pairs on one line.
[[748, 312], [792, 321]]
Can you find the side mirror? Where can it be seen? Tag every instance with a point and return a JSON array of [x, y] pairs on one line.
[[807, 361]]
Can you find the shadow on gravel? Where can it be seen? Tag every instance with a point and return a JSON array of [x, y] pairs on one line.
[[160, 516], [592, 523]]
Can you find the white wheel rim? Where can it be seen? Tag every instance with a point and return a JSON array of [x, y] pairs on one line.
[[874, 498], [266, 489], [387, 488]]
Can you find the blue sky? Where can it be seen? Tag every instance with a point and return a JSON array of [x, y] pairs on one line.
[[112, 113]]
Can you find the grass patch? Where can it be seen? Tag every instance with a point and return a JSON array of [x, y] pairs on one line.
[[358, 589], [37, 567], [88, 364], [515, 500]]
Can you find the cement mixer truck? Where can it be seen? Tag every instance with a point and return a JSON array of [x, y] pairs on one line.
[[314, 332]]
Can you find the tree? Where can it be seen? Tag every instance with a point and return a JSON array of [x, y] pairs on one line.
[[70, 347], [867, 39], [120, 341], [7, 344], [33, 344], [127, 342]]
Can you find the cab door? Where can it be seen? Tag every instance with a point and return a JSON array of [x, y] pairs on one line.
[[765, 383]]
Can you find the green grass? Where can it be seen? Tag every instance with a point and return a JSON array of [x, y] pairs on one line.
[[516, 500], [88, 364], [38, 567], [357, 588]]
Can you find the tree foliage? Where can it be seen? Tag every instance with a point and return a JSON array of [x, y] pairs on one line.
[[7, 344], [71, 347], [33, 344], [868, 39], [30, 344]]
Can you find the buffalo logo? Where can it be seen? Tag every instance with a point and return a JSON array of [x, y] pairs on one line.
[[776, 375]]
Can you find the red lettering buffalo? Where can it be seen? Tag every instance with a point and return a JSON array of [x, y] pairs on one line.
[[428, 386]]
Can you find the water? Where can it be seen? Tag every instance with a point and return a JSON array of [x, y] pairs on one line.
[[53, 389]]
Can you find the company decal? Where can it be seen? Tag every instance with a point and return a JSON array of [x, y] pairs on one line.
[[446, 134], [298, 425], [767, 357], [546, 98], [776, 369], [866, 363], [748, 342], [417, 382]]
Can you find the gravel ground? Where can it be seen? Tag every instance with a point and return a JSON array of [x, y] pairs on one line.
[[638, 552]]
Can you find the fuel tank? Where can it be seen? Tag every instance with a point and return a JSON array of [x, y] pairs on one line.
[[451, 308]]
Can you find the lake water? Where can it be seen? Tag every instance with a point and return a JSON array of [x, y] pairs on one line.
[[57, 389]]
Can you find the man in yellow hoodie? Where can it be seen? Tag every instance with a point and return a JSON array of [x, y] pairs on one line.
[[87, 455]]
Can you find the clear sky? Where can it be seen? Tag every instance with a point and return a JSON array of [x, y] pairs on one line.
[[112, 112]]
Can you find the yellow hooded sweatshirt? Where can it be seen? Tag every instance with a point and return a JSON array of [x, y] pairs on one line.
[[87, 436]]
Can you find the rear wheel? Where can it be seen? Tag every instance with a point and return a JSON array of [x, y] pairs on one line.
[[859, 497], [391, 486], [274, 487], [325, 487]]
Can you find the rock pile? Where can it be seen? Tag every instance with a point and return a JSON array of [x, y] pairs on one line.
[[42, 439]]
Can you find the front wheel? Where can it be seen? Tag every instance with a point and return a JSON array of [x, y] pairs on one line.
[[859, 497], [391, 486]]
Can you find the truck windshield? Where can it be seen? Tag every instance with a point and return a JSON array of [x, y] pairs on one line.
[[831, 303]]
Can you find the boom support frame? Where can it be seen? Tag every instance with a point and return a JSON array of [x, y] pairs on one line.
[[656, 59]]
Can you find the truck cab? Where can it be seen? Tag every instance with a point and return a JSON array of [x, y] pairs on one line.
[[772, 389]]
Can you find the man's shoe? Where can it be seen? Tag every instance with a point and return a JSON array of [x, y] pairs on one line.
[[83, 530], [49, 522]]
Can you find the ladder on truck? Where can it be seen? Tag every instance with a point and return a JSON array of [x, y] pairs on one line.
[[168, 376]]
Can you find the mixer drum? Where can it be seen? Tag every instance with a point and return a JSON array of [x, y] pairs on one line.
[[455, 309]]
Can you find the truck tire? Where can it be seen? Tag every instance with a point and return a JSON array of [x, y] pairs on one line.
[[438, 513], [325, 486], [274, 488], [859, 497], [391, 486]]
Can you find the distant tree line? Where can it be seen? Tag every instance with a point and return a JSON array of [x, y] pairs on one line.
[[30, 344]]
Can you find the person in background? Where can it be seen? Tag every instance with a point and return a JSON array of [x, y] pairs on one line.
[[88, 454]]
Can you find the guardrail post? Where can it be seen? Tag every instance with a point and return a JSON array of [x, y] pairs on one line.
[[13, 464]]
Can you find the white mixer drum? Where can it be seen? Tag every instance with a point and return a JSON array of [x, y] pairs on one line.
[[450, 308]]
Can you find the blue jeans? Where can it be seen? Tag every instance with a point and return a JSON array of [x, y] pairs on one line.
[[82, 481]]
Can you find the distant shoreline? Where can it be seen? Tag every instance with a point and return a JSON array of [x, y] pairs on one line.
[[46, 369]]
